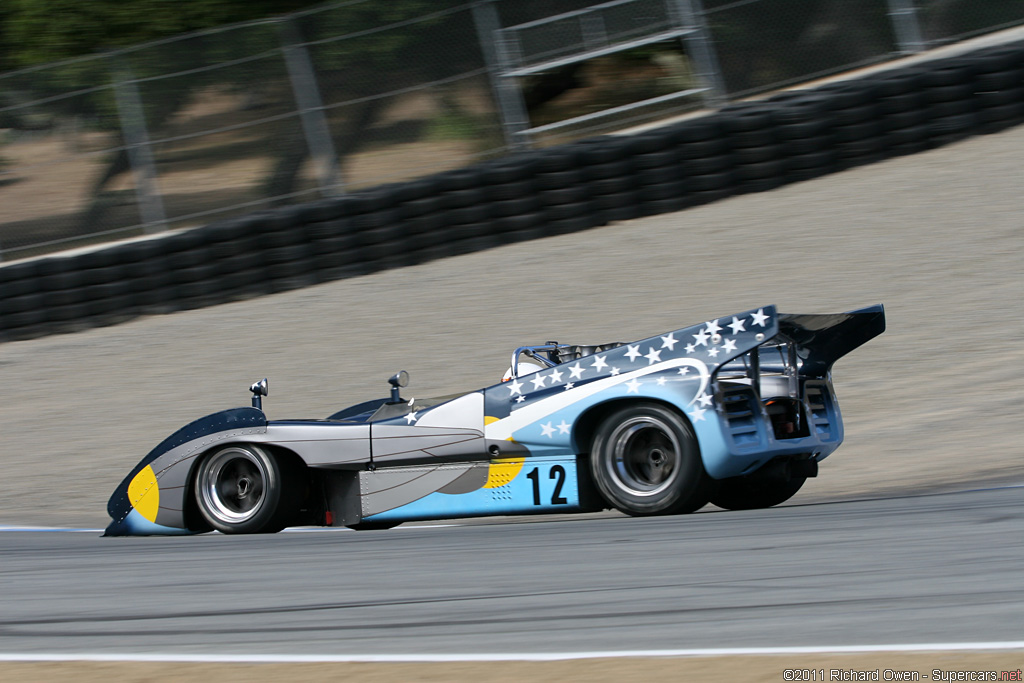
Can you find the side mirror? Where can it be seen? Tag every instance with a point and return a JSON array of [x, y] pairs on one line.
[[399, 380], [259, 390]]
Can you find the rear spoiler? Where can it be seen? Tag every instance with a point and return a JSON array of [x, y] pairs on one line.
[[827, 338]]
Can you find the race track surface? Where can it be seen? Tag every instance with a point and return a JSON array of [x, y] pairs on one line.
[[915, 570]]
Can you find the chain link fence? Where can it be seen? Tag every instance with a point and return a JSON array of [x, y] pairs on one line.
[[349, 95]]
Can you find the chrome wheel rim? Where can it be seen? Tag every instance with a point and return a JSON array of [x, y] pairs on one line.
[[233, 485], [645, 455]]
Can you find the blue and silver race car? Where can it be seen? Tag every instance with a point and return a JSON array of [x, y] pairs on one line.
[[737, 411]]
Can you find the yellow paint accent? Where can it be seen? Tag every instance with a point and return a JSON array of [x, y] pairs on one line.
[[502, 471], [490, 420], [144, 494]]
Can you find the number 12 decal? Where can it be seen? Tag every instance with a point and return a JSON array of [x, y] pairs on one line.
[[558, 474]]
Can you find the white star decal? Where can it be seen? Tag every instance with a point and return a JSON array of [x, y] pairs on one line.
[[599, 363], [729, 345], [690, 348], [737, 325], [563, 427], [653, 357], [713, 327], [538, 381], [633, 352], [576, 371], [633, 386], [702, 338], [704, 399], [516, 387], [669, 342], [661, 381], [713, 352], [759, 318], [520, 399], [556, 376], [614, 371], [684, 370], [698, 414], [548, 430], [411, 417], [569, 386]]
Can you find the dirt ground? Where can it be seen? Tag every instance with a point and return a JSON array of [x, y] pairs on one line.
[[746, 668], [934, 402]]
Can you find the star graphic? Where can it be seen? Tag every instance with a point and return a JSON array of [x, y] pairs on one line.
[[759, 318], [515, 387], [702, 338], [538, 381], [669, 342], [548, 430], [653, 357], [737, 325], [614, 371], [661, 381], [634, 386], [684, 371], [698, 414], [690, 348], [569, 386], [556, 377], [576, 371], [520, 399], [704, 399], [633, 352], [411, 417], [563, 427], [599, 363], [729, 345], [713, 352], [713, 327]]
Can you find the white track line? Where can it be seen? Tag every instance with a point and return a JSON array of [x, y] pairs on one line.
[[500, 657], [49, 529]]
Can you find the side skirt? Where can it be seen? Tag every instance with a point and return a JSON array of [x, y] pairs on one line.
[[506, 486]]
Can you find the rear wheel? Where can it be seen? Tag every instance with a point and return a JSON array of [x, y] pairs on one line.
[[241, 489], [645, 461]]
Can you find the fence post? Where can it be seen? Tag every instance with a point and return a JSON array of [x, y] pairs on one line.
[[514, 118], [136, 140], [906, 26], [690, 14], [311, 109]]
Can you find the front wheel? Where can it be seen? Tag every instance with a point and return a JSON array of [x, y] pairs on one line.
[[240, 489], [645, 461]]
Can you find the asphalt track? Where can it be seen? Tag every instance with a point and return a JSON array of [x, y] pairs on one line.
[[940, 568]]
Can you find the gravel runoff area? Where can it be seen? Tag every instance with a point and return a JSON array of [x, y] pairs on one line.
[[933, 403], [746, 668]]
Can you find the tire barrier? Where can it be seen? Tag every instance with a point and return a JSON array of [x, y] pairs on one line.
[[745, 147]]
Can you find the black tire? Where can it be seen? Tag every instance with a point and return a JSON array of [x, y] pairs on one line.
[[755, 491], [241, 489], [645, 461]]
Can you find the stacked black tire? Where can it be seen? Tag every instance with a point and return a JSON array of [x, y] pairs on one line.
[[745, 147]]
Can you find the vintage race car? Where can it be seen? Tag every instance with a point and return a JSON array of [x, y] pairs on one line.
[[737, 411]]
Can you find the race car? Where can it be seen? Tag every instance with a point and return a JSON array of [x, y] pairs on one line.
[[737, 411]]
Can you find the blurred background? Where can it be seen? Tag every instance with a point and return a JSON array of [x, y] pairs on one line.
[[125, 118]]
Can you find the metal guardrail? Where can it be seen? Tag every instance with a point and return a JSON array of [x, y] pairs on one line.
[[196, 128]]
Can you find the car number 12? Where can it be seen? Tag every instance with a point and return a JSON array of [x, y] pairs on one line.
[[556, 473]]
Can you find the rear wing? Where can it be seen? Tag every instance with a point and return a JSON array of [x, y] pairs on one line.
[[823, 339]]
